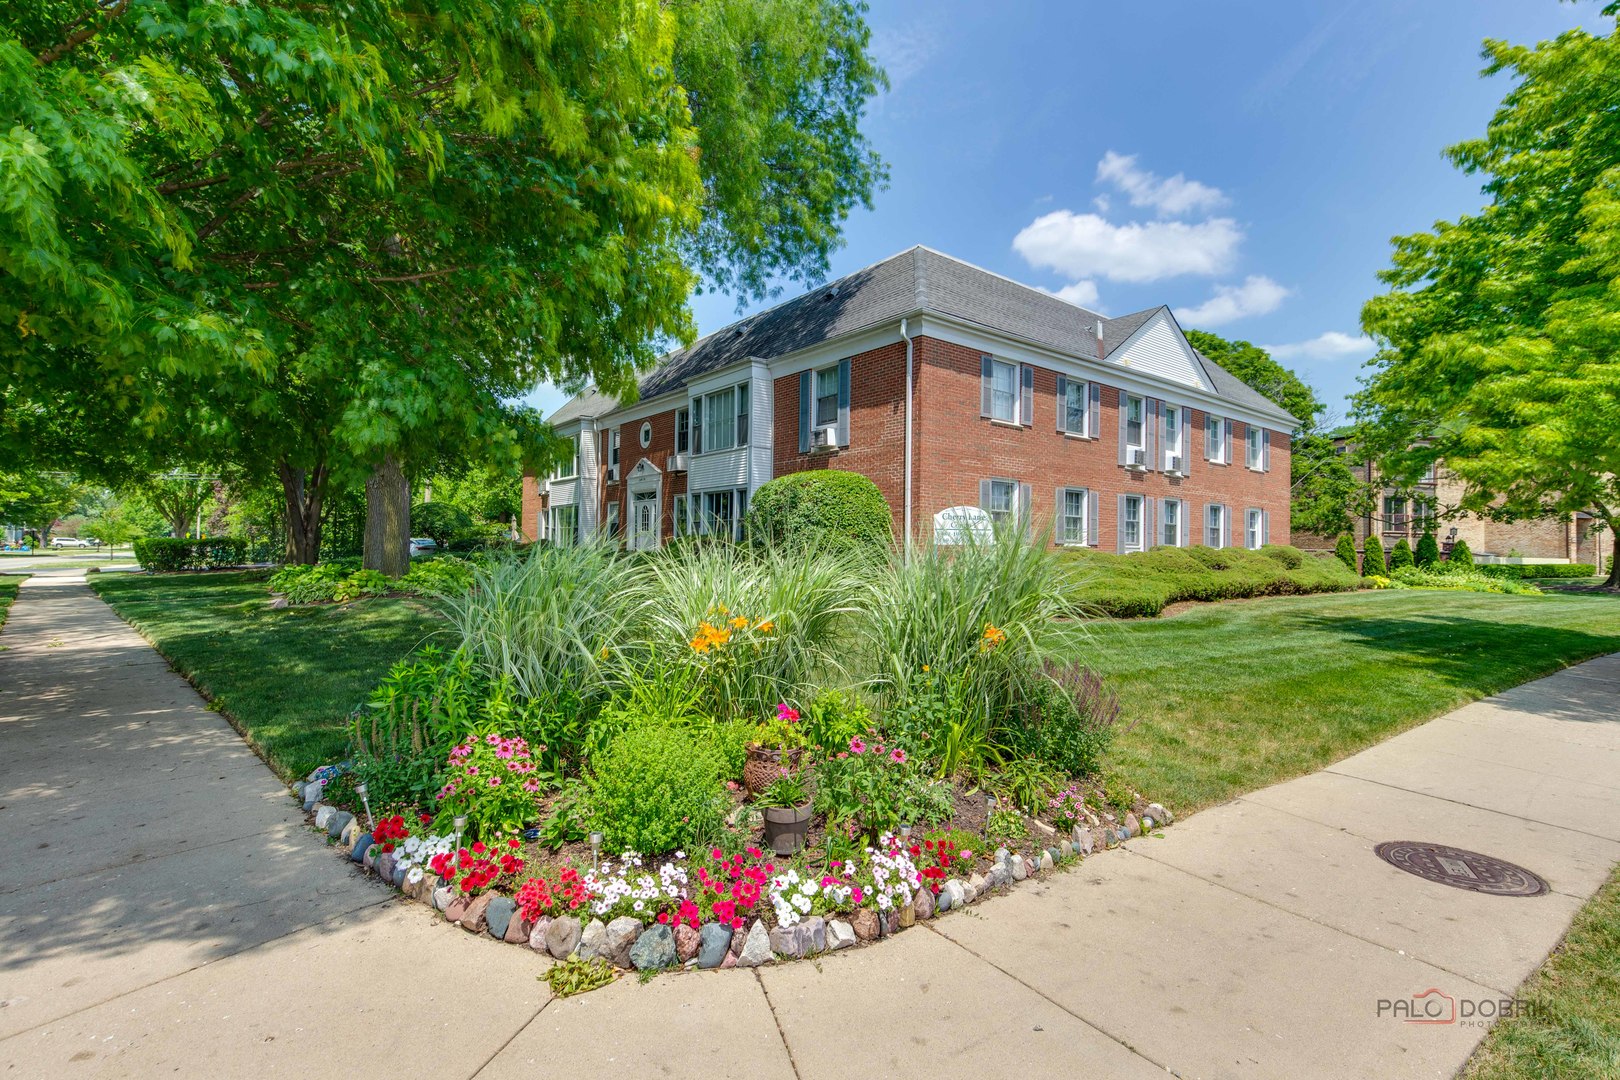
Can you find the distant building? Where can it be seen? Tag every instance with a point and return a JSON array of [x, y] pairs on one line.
[[1405, 513]]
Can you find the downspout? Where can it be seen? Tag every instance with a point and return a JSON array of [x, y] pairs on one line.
[[907, 484]]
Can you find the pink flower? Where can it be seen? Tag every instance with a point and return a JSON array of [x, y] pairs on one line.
[[898, 756], [856, 746], [494, 781]]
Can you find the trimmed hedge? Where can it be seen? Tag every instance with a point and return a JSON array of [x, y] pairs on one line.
[[1460, 555], [1526, 572], [1373, 563], [1345, 551], [819, 507], [1142, 584], [164, 554]]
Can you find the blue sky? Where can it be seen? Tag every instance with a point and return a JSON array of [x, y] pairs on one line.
[[1245, 162]]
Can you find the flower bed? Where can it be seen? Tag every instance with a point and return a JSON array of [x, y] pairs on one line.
[[714, 909]]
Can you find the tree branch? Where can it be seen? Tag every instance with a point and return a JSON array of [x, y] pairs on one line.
[[417, 277], [107, 9]]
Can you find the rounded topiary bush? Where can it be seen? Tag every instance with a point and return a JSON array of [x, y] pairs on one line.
[[1461, 557], [1373, 563], [1401, 555], [656, 788], [1345, 551], [819, 508]]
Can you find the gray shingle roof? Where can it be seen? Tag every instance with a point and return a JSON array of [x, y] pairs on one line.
[[1229, 386], [917, 280]]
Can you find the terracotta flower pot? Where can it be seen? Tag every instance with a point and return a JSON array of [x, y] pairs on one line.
[[787, 828], [765, 763]]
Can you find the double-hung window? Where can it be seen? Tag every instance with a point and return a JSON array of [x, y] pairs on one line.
[[613, 518], [1130, 523], [721, 512], [722, 419], [613, 452], [1004, 391], [1215, 525], [1003, 501], [568, 468], [1135, 424], [1172, 437], [1256, 530], [564, 524], [1076, 407], [1215, 432], [1255, 445], [682, 510], [683, 430], [826, 397], [1073, 509], [1170, 521]]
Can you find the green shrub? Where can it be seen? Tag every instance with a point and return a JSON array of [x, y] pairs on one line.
[[656, 789], [439, 520], [442, 575], [1460, 557], [1291, 557], [1401, 555], [1428, 550], [1531, 572], [820, 508], [1464, 578], [1142, 583], [164, 554], [1067, 722], [833, 717], [1372, 562], [362, 583], [1345, 551]]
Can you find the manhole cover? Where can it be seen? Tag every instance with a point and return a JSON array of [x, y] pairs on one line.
[[1460, 869]]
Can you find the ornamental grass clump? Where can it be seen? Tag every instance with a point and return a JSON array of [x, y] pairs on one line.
[[749, 628]]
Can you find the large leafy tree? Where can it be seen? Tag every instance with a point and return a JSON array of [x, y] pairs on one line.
[[1325, 494], [381, 221], [1501, 337]]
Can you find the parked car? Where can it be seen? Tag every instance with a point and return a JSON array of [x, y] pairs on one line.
[[72, 542], [423, 545]]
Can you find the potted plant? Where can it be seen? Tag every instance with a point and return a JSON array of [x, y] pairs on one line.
[[786, 806], [779, 746]]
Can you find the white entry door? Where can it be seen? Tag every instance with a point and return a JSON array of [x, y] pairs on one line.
[[644, 521]]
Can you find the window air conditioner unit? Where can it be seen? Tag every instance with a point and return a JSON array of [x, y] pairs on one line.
[[613, 474], [1175, 465], [1137, 459], [675, 463], [824, 438]]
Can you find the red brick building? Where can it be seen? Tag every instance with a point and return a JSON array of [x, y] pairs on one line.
[[950, 387]]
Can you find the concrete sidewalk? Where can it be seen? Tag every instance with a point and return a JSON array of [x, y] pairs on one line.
[[164, 911]]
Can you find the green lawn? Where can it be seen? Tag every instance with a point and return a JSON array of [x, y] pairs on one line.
[[1232, 697], [1572, 1031], [288, 678]]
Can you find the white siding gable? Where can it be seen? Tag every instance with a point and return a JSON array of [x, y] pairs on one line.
[[1159, 348]]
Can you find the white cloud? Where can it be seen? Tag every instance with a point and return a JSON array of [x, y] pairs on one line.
[[1171, 197], [1082, 293], [1332, 345], [1086, 245], [1258, 295], [902, 52]]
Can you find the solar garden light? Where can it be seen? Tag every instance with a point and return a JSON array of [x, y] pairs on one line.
[[905, 833], [461, 827], [596, 845], [366, 801]]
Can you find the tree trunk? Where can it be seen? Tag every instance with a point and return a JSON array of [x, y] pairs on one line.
[[388, 519], [1613, 582], [180, 524], [303, 493]]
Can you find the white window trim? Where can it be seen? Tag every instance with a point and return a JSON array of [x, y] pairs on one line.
[[1166, 452], [1063, 516], [1013, 508], [687, 412], [1216, 455], [1254, 524], [1125, 419], [1254, 448], [739, 418], [815, 389], [1181, 521], [1141, 524], [1084, 386], [1222, 526], [1013, 420]]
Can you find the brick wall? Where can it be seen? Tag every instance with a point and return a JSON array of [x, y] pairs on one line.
[[877, 426], [956, 448], [630, 454], [534, 503]]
